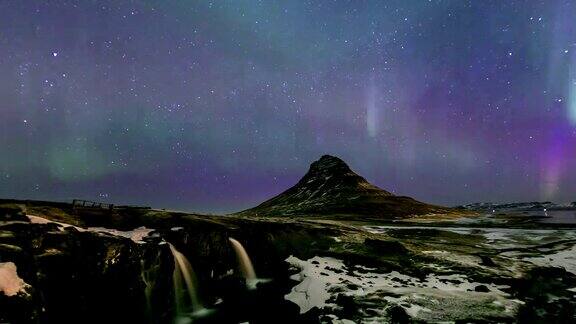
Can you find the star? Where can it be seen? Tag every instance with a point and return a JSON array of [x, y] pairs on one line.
[[384, 85]]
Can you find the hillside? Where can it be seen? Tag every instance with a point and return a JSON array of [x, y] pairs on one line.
[[331, 188]]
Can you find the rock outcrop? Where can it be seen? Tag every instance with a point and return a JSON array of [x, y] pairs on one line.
[[70, 274], [52, 272]]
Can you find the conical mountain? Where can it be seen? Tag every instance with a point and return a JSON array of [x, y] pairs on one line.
[[331, 188]]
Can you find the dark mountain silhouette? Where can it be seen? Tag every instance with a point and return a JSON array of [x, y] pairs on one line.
[[331, 188]]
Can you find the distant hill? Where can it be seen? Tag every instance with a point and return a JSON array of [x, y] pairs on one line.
[[331, 188], [518, 206]]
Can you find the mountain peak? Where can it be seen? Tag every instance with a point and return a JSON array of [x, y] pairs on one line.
[[330, 187], [330, 158], [331, 176], [329, 163]]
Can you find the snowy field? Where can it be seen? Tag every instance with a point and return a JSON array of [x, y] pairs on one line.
[[444, 293], [322, 279]]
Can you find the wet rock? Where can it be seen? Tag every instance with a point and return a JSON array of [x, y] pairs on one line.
[[13, 213], [21, 308], [336, 289], [386, 247], [481, 288], [6, 248], [352, 286], [335, 270], [536, 288], [486, 261], [349, 308], [10, 252], [397, 314], [451, 281]]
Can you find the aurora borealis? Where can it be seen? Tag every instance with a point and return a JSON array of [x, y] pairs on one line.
[[216, 106]]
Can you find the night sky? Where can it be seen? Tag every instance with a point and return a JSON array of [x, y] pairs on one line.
[[216, 106]]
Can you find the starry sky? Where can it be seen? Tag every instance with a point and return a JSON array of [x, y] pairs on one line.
[[214, 106]]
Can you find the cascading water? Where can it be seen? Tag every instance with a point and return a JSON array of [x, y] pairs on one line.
[[245, 264], [186, 297], [243, 260], [148, 276]]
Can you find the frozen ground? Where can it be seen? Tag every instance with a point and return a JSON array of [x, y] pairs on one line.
[[563, 259], [501, 238], [10, 283], [137, 235], [543, 247], [449, 297], [451, 257]]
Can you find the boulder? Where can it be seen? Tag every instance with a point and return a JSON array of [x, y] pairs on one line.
[[13, 213]]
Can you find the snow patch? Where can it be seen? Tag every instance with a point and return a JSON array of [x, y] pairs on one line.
[[322, 278], [495, 237], [40, 220], [137, 235], [10, 283], [565, 259]]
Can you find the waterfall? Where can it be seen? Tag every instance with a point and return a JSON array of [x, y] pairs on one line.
[[184, 282], [243, 260], [146, 275], [149, 273]]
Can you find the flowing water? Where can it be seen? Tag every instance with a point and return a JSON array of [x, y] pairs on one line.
[[243, 260], [186, 296], [145, 274], [149, 273]]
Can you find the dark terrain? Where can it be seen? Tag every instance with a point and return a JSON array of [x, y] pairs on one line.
[[405, 262], [331, 188]]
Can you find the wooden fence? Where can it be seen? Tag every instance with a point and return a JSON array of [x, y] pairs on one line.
[[77, 203]]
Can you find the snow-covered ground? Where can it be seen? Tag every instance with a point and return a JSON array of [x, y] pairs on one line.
[[322, 279], [41, 220], [562, 256], [495, 237], [565, 259], [137, 235], [10, 283], [441, 295]]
